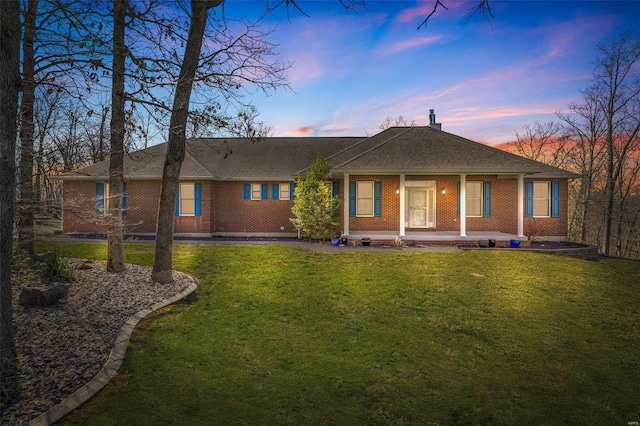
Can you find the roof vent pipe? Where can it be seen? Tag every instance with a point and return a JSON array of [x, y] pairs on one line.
[[432, 120]]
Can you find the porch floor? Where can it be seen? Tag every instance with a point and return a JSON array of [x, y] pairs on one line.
[[435, 236]]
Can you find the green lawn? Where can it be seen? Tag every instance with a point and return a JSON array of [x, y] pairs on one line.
[[286, 336]]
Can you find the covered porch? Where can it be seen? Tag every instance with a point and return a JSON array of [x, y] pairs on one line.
[[413, 238]]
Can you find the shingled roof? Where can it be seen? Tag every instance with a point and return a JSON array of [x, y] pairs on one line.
[[395, 150]]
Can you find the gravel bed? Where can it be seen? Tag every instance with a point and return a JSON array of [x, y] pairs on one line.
[[62, 347]]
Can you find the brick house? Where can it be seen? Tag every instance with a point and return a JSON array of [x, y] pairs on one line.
[[416, 183]]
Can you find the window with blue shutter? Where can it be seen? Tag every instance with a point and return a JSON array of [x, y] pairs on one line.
[[264, 188], [292, 191], [555, 199], [352, 198], [197, 190], [247, 191], [177, 209], [377, 198], [529, 199], [335, 192], [486, 199], [99, 198], [275, 191]]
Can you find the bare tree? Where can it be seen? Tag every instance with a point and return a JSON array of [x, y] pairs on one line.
[[542, 142], [9, 87], [584, 129], [617, 82], [115, 253], [162, 262]]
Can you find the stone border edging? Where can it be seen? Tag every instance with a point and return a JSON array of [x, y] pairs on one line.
[[111, 367]]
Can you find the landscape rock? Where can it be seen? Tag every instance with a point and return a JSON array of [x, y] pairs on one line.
[[37, 297]]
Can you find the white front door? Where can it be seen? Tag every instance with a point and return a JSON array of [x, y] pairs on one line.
[[421, 207]]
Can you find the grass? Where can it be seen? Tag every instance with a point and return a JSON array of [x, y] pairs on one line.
[[285, 336]]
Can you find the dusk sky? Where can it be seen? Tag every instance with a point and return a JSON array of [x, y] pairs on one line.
[[485, 80]]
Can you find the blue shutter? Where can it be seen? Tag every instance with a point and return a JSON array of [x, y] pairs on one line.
[[458, 211], [292, 191], [264, 191], [197, 193], [487, 199], [275, 191], [124, 199], [377, 198], [99, 198], [352, 198], [247, 191], [529, 198], [177, 210], [335, 188], [555, 199]]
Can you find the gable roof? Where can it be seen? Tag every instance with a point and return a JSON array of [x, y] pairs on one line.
[[395, 150]]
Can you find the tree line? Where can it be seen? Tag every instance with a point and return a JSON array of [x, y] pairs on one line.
[[598, 138]]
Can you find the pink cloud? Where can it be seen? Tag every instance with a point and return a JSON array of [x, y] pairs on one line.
[[303, 131], [407, 44]]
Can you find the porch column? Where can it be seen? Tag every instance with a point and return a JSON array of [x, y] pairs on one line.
[[463, 205], [402, 205], [345, 204], [520, 205]]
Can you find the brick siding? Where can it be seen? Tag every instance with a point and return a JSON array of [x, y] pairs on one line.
[[226, 212]]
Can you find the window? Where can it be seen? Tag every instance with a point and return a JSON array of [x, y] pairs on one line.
[[364, 199], [189, 199], [256, 191], [478, 199], [474, 199], [102, 194], [102, 198], [541, 199], [284, 191]]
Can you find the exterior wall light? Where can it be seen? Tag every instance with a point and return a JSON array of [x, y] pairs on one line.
[[397, 191], [443, 191]]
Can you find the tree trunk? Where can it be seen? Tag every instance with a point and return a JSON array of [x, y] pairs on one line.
[[27, 202], [9, 87], [115, 254], [162, 262]]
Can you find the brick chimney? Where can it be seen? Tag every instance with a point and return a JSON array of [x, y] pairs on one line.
[[432, 120]]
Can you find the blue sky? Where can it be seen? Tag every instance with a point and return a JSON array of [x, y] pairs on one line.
[[484, 80]]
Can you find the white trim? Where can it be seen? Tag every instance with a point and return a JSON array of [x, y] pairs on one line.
[[420, 183], [463, 205]]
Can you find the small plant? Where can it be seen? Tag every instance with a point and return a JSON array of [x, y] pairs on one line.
[[398, 242], [56, 268], [9, 382], [20, 259]]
